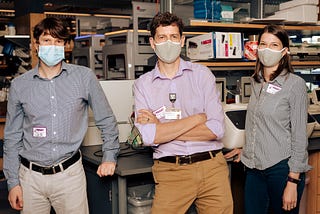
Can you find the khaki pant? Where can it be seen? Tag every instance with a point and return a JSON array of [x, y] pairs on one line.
[[65, 191], [205, 183]]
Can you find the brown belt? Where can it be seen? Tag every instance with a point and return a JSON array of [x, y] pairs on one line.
[[189, 159], [48, 170]]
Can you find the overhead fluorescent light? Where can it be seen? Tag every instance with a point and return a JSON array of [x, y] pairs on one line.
[[112, 16], [67, 14], [7, 11]]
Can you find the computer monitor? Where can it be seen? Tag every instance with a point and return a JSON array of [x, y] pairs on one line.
[[221, 85], [245, 89], [315, 96]]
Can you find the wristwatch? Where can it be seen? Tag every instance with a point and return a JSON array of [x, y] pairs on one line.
[[293, 180]]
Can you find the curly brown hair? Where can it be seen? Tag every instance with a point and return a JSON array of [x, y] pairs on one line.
[[165, 19]]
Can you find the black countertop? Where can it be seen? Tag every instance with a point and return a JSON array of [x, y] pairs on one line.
[[314, 144], [131, 162]]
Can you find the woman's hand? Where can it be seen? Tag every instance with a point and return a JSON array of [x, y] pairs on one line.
[[289, 197], [234, 155]]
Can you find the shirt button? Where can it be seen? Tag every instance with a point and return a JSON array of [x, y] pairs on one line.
[[52, 97], [54, 133], [54, 115], [51, 81]]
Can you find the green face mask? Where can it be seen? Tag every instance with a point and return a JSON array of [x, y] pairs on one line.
[[168, 51]]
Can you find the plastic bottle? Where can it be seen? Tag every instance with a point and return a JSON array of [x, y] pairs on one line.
[[11, 29], [238, 92]]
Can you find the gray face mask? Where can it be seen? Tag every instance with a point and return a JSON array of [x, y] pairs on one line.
[[269, 57], [168, 51]]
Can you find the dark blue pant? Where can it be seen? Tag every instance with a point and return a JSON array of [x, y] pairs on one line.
[[264, 189]]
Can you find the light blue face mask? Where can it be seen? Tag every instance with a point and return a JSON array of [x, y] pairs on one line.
[[51, 54]]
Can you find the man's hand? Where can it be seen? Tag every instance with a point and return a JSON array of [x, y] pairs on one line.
[[15, 198], [106, 168], [146, 116]]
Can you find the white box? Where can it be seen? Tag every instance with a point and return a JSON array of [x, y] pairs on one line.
[[302, 13], [295, 3], [228, 45], [200, 47], [218, 45]]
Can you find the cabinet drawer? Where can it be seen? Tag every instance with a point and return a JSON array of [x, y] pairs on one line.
[[318, 203], [316, 164]]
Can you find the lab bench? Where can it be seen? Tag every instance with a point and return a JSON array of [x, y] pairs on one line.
[[109, 194]]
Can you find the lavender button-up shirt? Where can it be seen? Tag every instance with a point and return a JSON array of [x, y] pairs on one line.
[[196, 92]]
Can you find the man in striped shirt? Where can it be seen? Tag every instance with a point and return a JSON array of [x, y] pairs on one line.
[[46, 122]]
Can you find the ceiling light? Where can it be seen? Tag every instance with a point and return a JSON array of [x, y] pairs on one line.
[[67, 14]]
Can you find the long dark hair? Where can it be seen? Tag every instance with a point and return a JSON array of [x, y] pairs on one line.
[[284, 63]]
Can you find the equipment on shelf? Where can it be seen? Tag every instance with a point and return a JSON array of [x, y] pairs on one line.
[[87, 51]]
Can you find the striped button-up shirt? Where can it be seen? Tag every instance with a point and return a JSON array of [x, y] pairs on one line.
[[47, 119], [276, 124]]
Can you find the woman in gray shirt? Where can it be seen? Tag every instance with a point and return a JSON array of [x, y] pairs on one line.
[[275, 152]]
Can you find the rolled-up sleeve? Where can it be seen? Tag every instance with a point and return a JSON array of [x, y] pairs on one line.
[[147, 131], [213, 107]]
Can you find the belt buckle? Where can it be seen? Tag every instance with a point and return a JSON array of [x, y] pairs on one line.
[[48, 170], [185, 157]]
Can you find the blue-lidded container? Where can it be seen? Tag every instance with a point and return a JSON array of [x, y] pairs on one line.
[[207, 9], [202, 9]]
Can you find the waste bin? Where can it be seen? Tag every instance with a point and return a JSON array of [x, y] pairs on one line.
[[140, 199]]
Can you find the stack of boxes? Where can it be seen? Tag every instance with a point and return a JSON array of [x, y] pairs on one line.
[[304, 11]]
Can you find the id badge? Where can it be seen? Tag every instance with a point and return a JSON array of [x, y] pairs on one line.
[[172, 114], [273, 89], [39, 132], [160, 112]]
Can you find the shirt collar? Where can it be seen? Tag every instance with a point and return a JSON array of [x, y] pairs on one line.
[[64, 67], [279, 80], [182, 67]]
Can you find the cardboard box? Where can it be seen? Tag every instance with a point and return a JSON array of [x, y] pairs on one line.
[[302, 13], [296, 3], [228, 45], [200, 47]]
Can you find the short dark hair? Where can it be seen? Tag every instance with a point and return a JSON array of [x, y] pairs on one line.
[[165, 19], [52, 26], [285, 62]]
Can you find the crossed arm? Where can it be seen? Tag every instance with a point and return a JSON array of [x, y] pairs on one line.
[[188, 128]]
